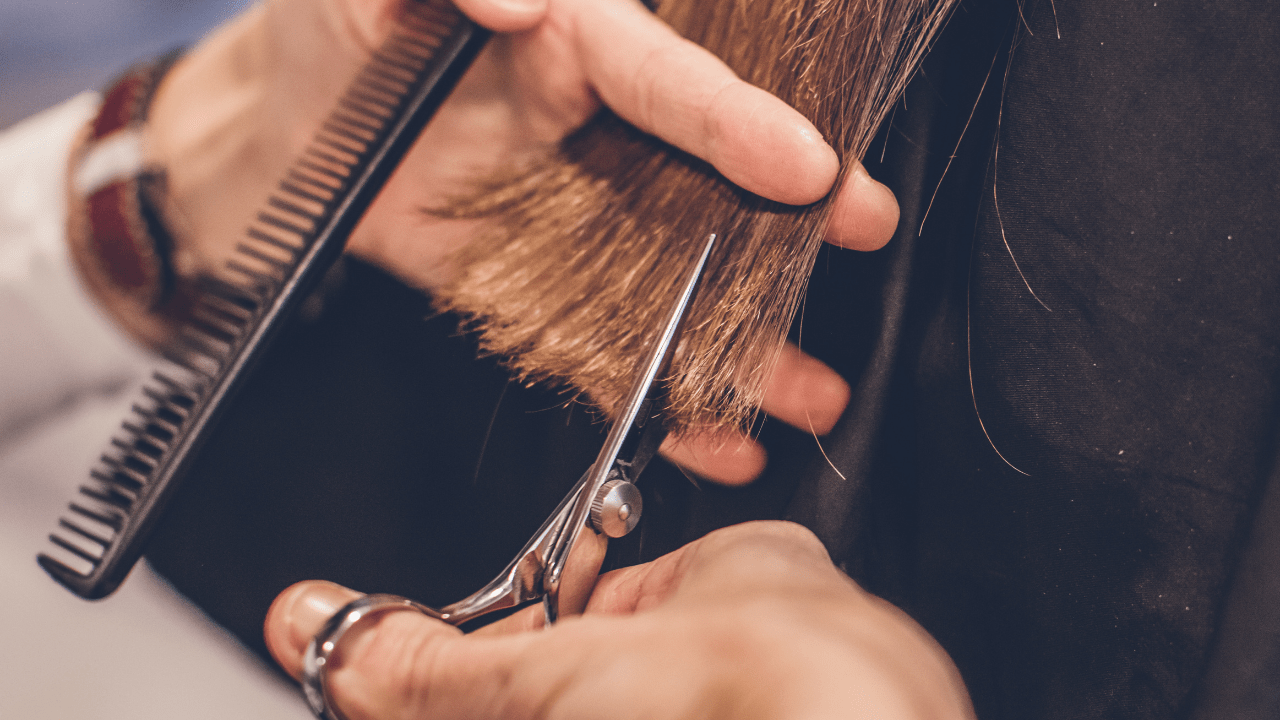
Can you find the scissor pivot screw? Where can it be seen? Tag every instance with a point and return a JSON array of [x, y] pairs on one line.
[[616, 509]]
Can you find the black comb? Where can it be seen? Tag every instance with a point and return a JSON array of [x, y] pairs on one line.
[[290, 245]]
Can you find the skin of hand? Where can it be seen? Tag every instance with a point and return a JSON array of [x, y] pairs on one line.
[[752, 621], [230, 117]]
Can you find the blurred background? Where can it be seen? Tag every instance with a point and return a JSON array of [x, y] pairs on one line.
[[53, 49], [145, 653]]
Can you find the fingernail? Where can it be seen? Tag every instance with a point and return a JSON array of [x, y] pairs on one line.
[[529, 6], [823, 164], [512, 15], [312, 605]]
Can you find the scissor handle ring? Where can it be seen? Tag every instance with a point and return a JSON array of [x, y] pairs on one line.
[[322, 646]]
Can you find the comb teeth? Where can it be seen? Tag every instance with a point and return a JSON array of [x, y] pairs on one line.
[[286, 250], [118, 481]]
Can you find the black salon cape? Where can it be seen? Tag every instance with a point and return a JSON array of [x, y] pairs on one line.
[[1060, 453]]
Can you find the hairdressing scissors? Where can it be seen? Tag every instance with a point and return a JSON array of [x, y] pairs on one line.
[[560, 563]]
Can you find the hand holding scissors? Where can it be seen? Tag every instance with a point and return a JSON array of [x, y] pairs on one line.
[[752, 621], [560, 563]]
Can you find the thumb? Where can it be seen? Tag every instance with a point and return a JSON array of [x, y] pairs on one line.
[[504, 15], [296, 615], [400, 664], [367, 22]]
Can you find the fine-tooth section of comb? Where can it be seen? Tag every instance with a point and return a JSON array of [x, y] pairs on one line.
[[298, 233]]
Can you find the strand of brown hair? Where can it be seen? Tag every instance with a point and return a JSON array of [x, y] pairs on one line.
[[585, 247]]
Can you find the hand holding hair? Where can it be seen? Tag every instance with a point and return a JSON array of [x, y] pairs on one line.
[[236, 110], [231, 115], [749, 622], [577, 247]]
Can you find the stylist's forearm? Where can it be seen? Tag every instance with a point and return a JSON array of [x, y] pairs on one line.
[[206, 129], [223, 132], [222, 128]]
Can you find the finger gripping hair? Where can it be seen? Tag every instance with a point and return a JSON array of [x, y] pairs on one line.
[[584, 249]]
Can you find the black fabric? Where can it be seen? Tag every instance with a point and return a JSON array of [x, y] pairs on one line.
[[1109, 330], [1065, 373], [373, 449], [1241, 678], [1136, 179]]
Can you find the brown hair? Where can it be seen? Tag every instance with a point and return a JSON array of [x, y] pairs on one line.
[[585, 248]]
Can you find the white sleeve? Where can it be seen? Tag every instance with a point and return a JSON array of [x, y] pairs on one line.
[[145, 653], [56, 346]]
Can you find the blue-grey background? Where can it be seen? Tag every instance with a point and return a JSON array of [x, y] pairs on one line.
[[53, 49]]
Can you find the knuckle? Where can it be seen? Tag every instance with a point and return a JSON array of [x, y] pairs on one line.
[[420, 656], [392, 668], [652, 73], [798, 534], [791, 533], [719, 112]]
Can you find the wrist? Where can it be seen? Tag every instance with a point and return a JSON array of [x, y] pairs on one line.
[[162, 181], [116, 235], [219, 142]]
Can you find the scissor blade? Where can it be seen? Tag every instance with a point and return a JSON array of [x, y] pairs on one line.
[[644, 393], [632, 441], [521, 580], [640, 407]]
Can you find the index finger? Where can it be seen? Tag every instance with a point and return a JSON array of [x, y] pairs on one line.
[[617, 592], [680, 92]]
